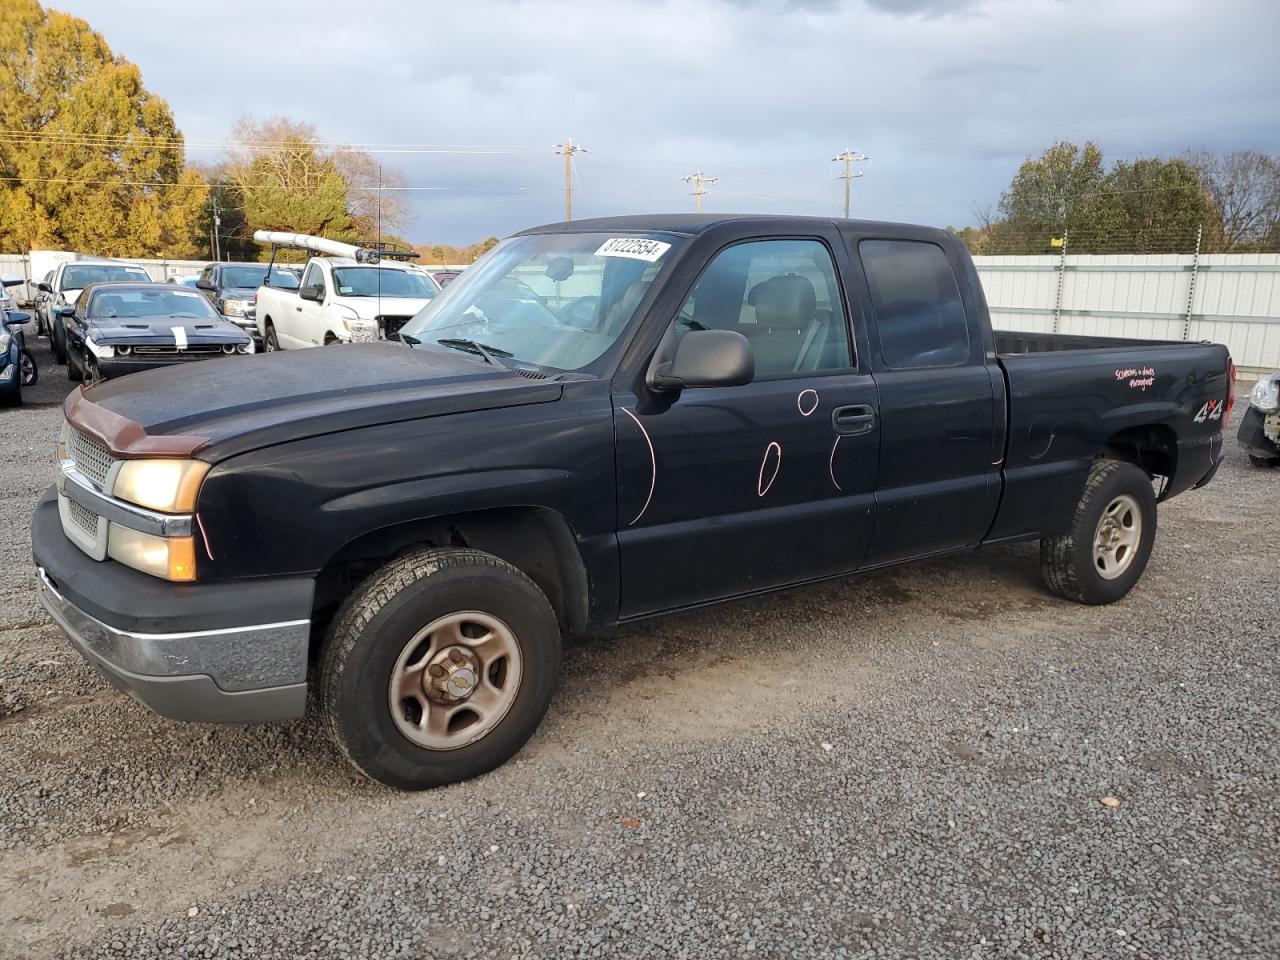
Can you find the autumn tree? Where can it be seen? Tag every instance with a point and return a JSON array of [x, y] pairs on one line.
[[1051, 193], [1244, 186], [90, 160]]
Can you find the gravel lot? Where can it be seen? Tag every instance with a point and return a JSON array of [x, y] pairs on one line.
[[908, 765]]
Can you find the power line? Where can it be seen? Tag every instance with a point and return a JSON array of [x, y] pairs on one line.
[[569, 149], [849, 157], [113, 140], [699, 181]]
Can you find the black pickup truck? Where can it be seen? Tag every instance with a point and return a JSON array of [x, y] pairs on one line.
[[599, 421]]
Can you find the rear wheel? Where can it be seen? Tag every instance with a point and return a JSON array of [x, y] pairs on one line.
[[269, 338], [30, 372], [1112, 532], [438, 668], [1264, 461]]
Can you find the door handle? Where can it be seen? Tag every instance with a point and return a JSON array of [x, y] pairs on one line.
[[854, 419]]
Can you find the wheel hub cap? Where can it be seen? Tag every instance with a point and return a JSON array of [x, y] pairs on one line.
[[455, 680], [1119, 534]]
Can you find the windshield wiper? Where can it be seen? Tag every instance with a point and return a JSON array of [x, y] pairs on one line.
[[407, 339], [474, 346]]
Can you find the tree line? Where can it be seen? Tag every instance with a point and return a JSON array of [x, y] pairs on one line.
[[1068, 195]]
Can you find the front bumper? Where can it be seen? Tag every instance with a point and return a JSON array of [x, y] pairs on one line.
[[118, 366], [216, 653], [1257, 431], [248, 323]]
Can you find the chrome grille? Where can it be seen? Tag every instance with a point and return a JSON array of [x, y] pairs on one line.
[[90, 457], [83, 517]]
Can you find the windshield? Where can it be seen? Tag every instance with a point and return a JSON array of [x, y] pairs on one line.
[[554, 300], [253, 277], [81, 275], [381, 281], [133, 304]]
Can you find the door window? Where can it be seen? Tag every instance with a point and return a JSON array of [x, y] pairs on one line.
[[314, 277], [783, 296], [919, 314]]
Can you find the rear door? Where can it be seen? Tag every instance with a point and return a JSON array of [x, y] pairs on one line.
[[724, 491], [939, 482]]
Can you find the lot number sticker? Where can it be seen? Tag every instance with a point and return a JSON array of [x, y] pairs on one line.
[[633, 248]]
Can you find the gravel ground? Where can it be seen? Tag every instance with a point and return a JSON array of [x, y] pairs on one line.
[[908, 765]]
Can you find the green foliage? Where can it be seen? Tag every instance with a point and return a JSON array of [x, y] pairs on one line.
[[90, 159], [440, 253], [1151, 205]]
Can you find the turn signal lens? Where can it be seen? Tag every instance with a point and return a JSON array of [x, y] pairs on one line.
[[170, 558], [166, 485]]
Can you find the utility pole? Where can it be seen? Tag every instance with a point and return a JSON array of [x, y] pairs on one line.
[[569, 148], [217, 222], [850, 158], [699, 181]]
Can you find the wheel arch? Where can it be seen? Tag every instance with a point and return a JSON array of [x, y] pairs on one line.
[[536, 540], [1152, 447]]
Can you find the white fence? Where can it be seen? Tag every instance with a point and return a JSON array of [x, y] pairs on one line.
[[1224, 297]]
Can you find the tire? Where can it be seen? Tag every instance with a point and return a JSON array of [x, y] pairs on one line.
[[30, 372], [269, 340], [75, 372], [373, 634], [1264, 462], [1068, 562], [57, 340]]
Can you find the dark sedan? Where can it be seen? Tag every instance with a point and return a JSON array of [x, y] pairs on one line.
[[119, 328]]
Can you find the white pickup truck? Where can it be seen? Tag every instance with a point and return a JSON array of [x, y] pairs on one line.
[[347, 294]]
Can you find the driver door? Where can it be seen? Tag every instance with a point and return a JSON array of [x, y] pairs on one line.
[[726, 491], [307, 321]]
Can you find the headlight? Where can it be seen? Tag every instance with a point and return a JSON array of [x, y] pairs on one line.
[[1266, 395], [172, 558], [234, 308], [5, 337], [166, 485], [102, 352]]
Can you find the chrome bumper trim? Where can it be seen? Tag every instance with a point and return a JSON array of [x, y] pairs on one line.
[[74, 485], [252, 657]]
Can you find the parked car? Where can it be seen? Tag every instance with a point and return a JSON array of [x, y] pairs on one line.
[[342, 298], [1260, 427], [232, 287], [61, 288], [119, 328], [762, 402], [13, 324], [17, 367], [182, 281], [445, 277]]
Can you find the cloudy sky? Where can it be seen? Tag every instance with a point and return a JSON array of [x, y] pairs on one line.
[[945, 96]]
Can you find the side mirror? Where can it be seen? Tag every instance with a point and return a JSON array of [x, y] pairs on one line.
[[203, 284], [43, 287], [17, 318], [706, 358], [67, 311], [313, 292]]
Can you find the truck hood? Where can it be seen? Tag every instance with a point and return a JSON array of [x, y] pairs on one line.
[[216, 410], [369, 307]]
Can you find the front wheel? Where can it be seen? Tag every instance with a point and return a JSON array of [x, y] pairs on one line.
[[438, 668], [75, 372], [1112, 532]]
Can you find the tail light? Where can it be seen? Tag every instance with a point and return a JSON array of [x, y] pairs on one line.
[[1231, 392]]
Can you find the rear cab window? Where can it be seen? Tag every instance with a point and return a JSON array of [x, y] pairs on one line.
[[920, 317]]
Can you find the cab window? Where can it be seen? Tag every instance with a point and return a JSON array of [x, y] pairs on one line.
[[783, 296]]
